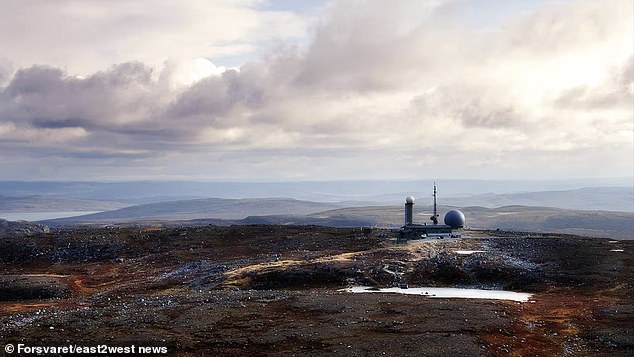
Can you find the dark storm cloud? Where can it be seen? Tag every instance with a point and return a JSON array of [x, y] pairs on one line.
[[124, 112], [99, 155], [47, 97], [57, 123]]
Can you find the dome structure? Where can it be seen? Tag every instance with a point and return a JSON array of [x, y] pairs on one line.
[[455, 219], [409, 199]]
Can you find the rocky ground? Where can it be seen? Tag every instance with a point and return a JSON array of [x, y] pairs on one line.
[[20, 228], [276, 290]]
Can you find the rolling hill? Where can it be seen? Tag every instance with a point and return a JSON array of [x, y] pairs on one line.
[[587, 198], [515, 218], [605, 224], [595, 223], [204, 208], [49, 203], [606, 194]]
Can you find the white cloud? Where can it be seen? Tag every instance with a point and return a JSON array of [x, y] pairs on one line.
[[379, 86], [87, 36], [185, 72]]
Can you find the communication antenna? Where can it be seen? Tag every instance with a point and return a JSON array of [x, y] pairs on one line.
[[434, 218], [435, 208]]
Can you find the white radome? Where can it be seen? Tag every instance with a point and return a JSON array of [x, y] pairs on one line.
[[409, 199]]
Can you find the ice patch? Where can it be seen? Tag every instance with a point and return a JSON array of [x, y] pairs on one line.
[[469, 252], [447, 293]]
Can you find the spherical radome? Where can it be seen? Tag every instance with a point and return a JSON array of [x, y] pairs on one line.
[[455, 219], [409, 199]]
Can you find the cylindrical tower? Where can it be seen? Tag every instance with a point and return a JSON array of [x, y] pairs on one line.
[[409, 210]]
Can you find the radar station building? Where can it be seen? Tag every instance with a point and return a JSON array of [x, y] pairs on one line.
[[454, 220]]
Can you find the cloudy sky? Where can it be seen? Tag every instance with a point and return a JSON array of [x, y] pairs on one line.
[[301, 90]]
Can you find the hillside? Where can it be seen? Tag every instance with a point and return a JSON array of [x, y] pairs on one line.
[[588, 198], [204, 208], [50, 203], [618, 225], [593, 223], [15, 229]]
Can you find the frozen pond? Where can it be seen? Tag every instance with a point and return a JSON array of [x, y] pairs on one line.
[[447, 293], [40, 216]]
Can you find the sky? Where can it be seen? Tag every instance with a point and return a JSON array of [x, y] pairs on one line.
[[256, 90]]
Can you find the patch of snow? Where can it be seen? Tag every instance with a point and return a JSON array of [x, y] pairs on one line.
[[469, 252], [391, 272], [616, 250], [447, 293]]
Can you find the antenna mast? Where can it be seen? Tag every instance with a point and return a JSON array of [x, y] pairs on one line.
[[434, 218], [435, 209]]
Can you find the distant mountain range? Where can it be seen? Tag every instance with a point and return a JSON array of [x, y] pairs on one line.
[[385, 191], [107, 197]]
